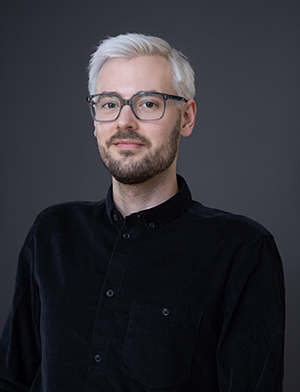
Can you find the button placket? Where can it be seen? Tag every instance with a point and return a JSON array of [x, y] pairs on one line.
[[104, 321]]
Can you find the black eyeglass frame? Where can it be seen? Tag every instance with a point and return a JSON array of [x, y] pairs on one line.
[[129, 102]]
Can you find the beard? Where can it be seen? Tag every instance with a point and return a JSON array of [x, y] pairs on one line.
[[153, 163]]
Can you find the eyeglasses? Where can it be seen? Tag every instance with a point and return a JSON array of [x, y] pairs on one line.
[[146, 106]]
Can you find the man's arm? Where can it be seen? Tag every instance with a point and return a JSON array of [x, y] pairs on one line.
[[250, 350], [20, 341]]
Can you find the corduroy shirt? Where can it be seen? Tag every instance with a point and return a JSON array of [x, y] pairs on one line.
[[176, 298]]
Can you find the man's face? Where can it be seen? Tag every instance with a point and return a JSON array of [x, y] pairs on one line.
[[135, 151]]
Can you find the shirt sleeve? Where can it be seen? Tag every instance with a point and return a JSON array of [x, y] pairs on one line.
[[250, 349], [20, 341]]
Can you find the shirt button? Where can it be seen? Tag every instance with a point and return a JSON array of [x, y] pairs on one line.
[[126, 236], [116, 217], [165, 312], [109, 293], [151, 225], [97, 358]]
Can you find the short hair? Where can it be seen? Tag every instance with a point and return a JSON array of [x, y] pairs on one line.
[[133, 45]]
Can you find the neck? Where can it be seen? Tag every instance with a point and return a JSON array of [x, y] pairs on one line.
[[133, 198]]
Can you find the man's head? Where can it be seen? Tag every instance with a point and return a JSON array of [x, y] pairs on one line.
[[138, 116], [128, 46]]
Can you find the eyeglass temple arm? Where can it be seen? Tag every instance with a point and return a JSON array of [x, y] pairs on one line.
[[175, 97]]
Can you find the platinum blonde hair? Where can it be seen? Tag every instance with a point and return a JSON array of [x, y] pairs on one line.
[[133, 45]]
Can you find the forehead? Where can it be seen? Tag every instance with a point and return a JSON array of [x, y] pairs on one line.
[[128, 76]]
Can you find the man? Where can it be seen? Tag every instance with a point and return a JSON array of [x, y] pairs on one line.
[[146, 290]]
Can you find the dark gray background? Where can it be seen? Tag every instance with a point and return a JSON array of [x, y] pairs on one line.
[[243, 155]]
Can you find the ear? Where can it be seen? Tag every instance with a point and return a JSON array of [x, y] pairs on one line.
[[188, 118]]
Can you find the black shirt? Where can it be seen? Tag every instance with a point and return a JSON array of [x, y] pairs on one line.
[[179, 297]]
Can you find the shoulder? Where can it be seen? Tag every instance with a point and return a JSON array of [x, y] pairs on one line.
[[69, 213], [243, 242], [64, 221], [226, 223]]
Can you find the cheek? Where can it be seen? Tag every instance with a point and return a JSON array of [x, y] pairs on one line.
[[99, 131], [103, 133], [95, 128], [98, 135], [162, 137]]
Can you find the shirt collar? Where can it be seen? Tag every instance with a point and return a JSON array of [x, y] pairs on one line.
[[159, 215]]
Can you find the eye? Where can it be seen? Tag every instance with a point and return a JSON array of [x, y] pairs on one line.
[[149, 104], [109, 105]]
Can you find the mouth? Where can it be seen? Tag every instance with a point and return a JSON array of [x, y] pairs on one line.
[[128, 144]]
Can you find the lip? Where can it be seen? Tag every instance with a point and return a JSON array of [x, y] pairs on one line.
[[128, 144]]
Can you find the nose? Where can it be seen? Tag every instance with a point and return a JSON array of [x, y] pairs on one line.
[[126, 118]]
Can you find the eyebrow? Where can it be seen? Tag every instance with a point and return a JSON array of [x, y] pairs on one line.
[[138, 92], [109, 92]]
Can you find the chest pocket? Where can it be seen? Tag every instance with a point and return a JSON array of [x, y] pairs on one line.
[[159, 344]]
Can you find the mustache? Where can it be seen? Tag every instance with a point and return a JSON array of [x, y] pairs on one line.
[[129, 134]]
